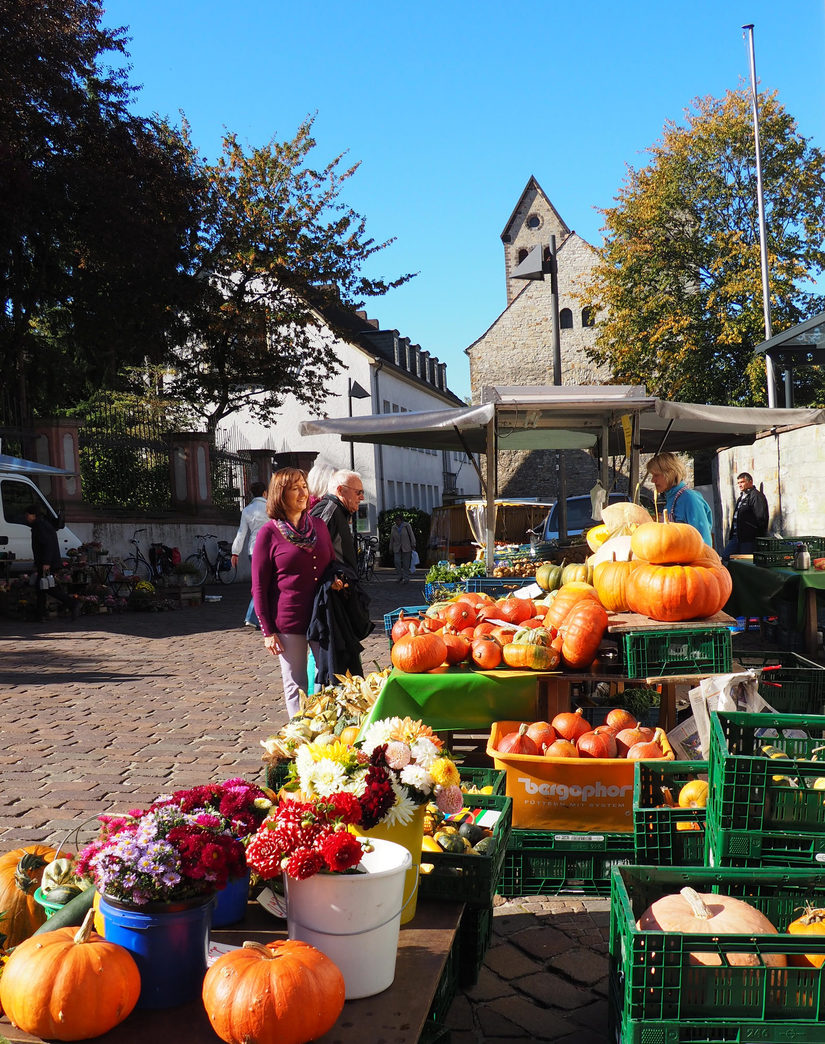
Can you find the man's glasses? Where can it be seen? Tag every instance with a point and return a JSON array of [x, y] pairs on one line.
[[352, 489]]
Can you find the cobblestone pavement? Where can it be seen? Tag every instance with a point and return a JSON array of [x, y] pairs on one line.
[[110, 711]]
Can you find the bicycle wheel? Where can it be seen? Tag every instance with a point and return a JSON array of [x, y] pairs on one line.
[[137, 567], [202, 569], [224, 569], [369, 571]]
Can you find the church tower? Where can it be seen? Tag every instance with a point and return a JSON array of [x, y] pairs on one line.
[[532, 222]]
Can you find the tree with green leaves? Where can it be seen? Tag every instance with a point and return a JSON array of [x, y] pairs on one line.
[[96, 230], [278, 264], [678, 282]]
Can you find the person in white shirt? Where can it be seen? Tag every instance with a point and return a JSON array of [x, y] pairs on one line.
[[253, 517]]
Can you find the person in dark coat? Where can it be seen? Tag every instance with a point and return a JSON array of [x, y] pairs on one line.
[[47, 560], [340, 620], [348, 618], [750, 518]]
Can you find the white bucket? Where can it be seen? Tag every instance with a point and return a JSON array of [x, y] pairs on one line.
[[354, 918]]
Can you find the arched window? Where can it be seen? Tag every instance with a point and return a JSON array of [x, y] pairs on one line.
[[566, 319], [588, 319], [522, 254]]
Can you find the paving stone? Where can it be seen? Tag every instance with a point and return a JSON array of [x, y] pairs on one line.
[[540, 1023], [581, 965], [542, 942], [554, 991], [510, 962]]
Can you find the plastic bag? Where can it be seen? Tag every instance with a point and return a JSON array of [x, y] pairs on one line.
[[414, 561]]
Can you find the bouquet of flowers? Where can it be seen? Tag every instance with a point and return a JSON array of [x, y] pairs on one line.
[[186, 845], [302, 838], [241, 806], [397, 766]]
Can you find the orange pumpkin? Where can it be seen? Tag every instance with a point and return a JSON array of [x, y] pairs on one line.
[[666, 543], [811, 922], [20, 874], [527, 655], [281, 993], [610, 580], [349, 735], [485, 652], [416, 653], [675, 592], [69, 984], [582, 632], [564, 601], [514, 610]]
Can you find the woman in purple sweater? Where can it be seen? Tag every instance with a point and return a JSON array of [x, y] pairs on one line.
[[291, 555]]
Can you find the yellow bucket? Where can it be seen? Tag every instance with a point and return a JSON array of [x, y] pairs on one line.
[[410, 836]]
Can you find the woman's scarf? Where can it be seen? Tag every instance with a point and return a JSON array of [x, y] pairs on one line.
[[304, 536]]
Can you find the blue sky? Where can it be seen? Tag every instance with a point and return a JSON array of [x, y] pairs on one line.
[[450, 107]]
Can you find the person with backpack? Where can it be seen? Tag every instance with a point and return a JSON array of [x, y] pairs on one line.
[[402, 545]]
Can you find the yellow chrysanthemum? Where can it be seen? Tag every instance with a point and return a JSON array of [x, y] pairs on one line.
[[444, 772], [338, 752]]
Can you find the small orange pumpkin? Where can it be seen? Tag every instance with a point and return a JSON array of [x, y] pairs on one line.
[[69, 984], [416, 653], [20, 874], [281, 993], [812, 922], [349, 735]]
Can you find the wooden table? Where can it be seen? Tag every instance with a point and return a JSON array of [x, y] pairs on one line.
[[396, 1016]]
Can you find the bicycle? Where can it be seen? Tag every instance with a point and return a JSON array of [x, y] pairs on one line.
[[367, 548], [154, 568], [221, 569]]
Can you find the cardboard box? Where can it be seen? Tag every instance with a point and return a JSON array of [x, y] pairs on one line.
[[576, 794]]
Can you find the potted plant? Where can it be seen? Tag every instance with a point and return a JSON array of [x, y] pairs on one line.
[[186, 573]]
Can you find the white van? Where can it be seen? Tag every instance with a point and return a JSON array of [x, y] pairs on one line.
[[17, 492]]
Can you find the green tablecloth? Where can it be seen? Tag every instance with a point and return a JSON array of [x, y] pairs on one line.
[[458, 698], [757, 589]]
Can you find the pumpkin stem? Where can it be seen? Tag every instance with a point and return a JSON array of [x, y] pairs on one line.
[[812, 914], [85, 930], [22, 874], [696, 903], [259, 948]]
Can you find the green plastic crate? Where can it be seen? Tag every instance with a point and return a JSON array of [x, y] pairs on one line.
[[477, 776], [445, 990], [657, 996], [467, 877], [667, 836], [758, 659], [541, 862], [764, 810], [697, 650], [771, 551], [474, 935]]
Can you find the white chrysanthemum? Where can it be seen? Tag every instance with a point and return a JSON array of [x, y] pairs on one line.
[[424, 752], [418, 777], [303, 761], [324, 778], [402, 811], [377, 733]]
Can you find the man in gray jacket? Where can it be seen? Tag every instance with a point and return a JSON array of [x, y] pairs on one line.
[[402, 545]]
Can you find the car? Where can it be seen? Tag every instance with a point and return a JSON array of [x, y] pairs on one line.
[[580, 515]]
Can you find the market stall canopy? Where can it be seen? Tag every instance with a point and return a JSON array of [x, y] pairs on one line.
[[567, 417], [19, 466]]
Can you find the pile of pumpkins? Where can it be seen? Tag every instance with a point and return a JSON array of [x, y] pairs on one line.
[[667, 573], [457, 836], [570, 735], [661, 570], [506, 632]]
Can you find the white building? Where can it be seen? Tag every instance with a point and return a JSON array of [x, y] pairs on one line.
[[381, 372]]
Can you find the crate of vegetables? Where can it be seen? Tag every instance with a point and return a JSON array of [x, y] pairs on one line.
[[766, 801], [462, 855], [737, 965], [669, 809], [571, 777]]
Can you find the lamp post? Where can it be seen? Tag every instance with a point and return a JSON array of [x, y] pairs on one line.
[[354, 391]]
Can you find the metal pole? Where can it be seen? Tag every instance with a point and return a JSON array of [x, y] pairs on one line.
[[556, 344], [763, 245]]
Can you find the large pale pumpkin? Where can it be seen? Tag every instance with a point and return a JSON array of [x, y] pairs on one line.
[[675, 592], [69, 984], [694, 913], [21, 871], [282, 993], [666, 543]]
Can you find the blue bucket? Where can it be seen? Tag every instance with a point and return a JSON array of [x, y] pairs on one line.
[[168, 941], [230, 904]]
